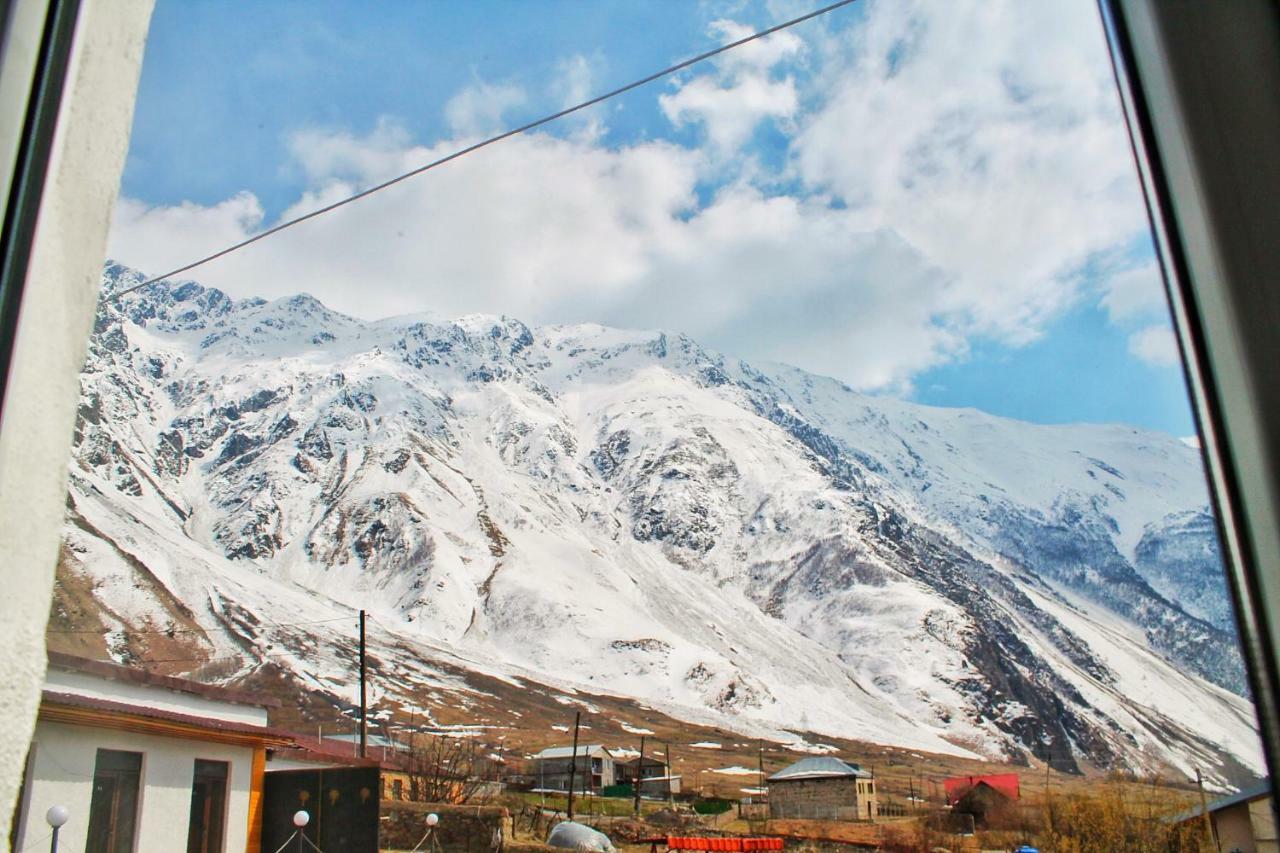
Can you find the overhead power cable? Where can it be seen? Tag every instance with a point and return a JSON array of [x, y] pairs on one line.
[[260, 658], [200, 629], [657, 75]]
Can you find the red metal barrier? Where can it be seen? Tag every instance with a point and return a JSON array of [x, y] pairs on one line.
[[723, 845]]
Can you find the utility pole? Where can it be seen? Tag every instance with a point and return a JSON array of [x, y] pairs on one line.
[[671, 797], [760, 767], [364, 707], [1204, 813], [573, 761], [639, 775]]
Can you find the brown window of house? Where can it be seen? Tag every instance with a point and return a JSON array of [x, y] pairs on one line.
[[208, 807], [397, 789], [113, 809]]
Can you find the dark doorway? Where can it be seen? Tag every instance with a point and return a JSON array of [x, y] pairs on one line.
[[208, 806], [113, 810]]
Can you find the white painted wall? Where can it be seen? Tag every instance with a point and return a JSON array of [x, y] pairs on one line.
[[56, 315], [82, 684], [62, 774]]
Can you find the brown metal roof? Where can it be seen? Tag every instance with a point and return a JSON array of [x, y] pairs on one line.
[[306, 748], [133, 675], [111, 710]]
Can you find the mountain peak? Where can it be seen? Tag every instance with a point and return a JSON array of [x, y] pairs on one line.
[[629, 510]]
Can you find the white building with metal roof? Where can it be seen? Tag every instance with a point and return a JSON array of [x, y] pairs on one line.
[[593, 769]]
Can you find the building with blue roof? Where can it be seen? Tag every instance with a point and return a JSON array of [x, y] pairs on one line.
[[823, 788]]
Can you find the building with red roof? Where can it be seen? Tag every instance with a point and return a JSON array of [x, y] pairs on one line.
[[958, 786]]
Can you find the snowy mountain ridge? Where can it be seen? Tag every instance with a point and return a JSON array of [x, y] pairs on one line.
[[629, 511]]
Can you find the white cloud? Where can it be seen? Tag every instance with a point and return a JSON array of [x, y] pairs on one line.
[[513, 228], [1135, 292], [731, 103], [759, 55], [479, 110], [730, 113], [961, 164], [163, 238], [1155, 345], [987, 135], [562, 230], [328, 155], [576, 80]]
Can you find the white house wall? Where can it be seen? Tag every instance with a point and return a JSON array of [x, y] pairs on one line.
[[62, 774], [150, 696]]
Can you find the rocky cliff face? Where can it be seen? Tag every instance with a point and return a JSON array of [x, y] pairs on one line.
[[631, 511]]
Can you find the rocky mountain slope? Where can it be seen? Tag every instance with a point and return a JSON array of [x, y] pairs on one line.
[[630, 512]]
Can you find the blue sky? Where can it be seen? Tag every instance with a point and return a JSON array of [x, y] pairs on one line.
[[928, 200]]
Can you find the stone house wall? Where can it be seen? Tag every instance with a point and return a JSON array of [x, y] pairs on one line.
[[821, 799]]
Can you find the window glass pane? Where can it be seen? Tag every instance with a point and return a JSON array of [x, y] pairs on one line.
[[823, 394], [208, 806], [113, 808]]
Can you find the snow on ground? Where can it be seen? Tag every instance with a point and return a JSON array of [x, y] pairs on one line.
[[513, 544]]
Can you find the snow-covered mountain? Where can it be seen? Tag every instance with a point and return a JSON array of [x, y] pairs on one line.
[[629, 511]]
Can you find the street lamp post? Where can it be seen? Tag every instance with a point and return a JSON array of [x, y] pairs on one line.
[[300, 820], [56, 816], [432, 820]]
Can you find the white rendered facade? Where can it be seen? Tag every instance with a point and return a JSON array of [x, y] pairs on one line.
[[167, 726], [61, 770]]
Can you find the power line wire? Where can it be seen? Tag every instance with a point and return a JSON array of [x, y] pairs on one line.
[[197, 630], [679, 66], [259, 658]]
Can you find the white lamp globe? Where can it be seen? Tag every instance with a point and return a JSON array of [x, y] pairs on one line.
[[57, 816], [301, 819], [433, 819]]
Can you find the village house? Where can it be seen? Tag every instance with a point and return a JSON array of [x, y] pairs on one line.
[[144, 762], [1242, 822], [822, 788], [984, 798], [593, 769], [654, 779]]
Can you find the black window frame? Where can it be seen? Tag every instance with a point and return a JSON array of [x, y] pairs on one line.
[[203, 772], [1198, 83], [1183, 56], [115, 766]]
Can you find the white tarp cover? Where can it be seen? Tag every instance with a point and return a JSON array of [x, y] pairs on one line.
[[574, 836]]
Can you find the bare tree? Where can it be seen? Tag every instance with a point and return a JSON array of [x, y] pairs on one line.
[[441, 770]]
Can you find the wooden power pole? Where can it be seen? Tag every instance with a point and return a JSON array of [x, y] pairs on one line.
[[1204, 813], [639, 776], [364, 706], [671, 797], [573, 759], [760, 768]]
